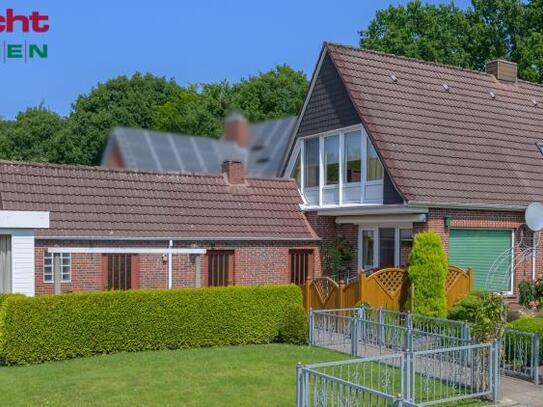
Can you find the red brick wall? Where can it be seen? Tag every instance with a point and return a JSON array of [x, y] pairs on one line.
[[254, 263], [327, 229]]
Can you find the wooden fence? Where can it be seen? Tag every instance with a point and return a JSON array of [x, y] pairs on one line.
[[387, 288]]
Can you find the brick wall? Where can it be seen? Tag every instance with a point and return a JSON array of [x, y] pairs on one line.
[[254, 263], [327, 229]]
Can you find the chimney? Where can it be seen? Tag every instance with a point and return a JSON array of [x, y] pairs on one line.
[[234, 171], [236, 128], [503, 70]]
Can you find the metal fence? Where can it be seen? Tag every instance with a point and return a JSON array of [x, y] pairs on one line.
[[402, 379], [520, 354], [369, 331]]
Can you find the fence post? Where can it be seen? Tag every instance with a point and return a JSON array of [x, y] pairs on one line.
[[380, 326], [409, 332], [495, 370], [466, 340], [341, 294], [311, 327], [300, 391], [307, 293], [361, 314], [354, 337], [535, 358]]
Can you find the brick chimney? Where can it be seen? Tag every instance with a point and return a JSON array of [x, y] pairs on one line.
[[236, 128], [503, 70], [234, 171]]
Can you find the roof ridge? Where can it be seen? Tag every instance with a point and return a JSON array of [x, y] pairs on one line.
[[130, 170], [422, 61]]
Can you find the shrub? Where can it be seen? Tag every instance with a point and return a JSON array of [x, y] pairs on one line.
[[4, 297], [489, 320], [294, 326], [530, 325], [465, 308], [527, 293], [82, 324], [428, 271]]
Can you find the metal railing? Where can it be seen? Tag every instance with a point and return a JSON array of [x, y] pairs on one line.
[[520, 354], [402, 379], [369, 331]]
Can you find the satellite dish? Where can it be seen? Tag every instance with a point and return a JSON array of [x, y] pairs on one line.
[[534, 216]]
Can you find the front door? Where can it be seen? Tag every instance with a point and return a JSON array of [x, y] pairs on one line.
[[5, 264]]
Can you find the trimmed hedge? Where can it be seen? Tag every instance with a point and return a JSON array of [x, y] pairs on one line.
[[294, 326], [530, 325], [72, 325]]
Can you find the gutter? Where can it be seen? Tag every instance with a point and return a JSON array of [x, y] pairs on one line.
[[179, 239], [462, 205]]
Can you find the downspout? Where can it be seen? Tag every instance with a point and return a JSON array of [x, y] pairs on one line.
[[533, 255], [170, 271]]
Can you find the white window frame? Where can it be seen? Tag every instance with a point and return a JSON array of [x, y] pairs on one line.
[[375, 229], [62, 273], [299, 148]]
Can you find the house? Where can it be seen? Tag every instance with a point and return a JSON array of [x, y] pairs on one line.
[[387, 146], [76, 228], [259, 146]]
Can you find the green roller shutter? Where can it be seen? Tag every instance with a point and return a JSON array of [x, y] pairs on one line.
[[480, 249]]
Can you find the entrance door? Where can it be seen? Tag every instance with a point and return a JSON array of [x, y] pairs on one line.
[[5, 264], [120, 271], [483, 250]]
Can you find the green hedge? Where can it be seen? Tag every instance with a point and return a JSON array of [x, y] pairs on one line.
[[72, 325], [530, 325], [428, 272]]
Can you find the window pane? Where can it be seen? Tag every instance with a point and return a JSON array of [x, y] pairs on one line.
[[311, 163], [367, 249], [406, 242], [296, 173], [352, 156], [375, 168], [331, 160], [386, 247]]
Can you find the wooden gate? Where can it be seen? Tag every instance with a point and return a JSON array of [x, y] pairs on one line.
[[387, 288]]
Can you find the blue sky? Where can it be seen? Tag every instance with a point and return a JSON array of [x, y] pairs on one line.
[[191, 41]]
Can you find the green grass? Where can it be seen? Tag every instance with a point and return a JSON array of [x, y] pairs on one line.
[[259, 375]]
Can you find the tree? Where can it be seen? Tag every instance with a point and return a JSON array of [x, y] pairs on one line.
[[200, 109], [489, 29], [191, 111], [121, 101], [428, 273], [277, 93], [31, 136]]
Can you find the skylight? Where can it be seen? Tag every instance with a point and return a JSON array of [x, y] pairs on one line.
[[394, 78], [540, 146]]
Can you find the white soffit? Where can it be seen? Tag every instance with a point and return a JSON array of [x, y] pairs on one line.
[[24, 219], [382, 219]]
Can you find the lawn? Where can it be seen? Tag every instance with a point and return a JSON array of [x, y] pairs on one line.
[[260, 375]]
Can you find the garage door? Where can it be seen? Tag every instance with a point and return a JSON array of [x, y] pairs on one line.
[[480, 249]]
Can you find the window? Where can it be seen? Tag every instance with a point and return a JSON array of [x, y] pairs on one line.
[[386, 247], [301, 265], [331, 160], [121, 271], [375, 168], [65, 267], [296, 172], [311, 163], [220, 268], [406, 242], [368, 247], [352, 157]]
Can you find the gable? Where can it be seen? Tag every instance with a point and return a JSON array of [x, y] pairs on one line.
[[329, 106]]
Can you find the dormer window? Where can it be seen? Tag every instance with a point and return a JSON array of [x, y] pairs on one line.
[[340, 168]]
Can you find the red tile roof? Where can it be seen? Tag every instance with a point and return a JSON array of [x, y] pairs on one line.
[[459, 145], [97, 202]]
